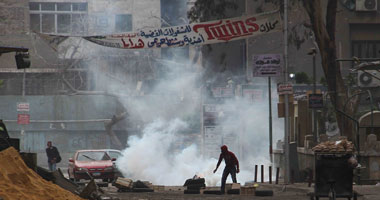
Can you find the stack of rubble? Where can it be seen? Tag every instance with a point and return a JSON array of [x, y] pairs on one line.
[[17, 181], [128, 185], [194, 186], [341, 146]]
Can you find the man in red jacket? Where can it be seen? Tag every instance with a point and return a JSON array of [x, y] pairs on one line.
[[231, 161]]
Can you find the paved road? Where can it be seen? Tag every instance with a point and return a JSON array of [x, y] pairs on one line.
[[293, 193]]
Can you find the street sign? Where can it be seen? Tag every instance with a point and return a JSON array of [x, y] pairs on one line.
[[315, 101], [265, 65], [23, 119], [284, 88], [23, 107]]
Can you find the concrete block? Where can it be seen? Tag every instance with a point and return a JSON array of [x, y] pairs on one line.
[[174, 188], [235, 186], [158, 187], [247, 190]]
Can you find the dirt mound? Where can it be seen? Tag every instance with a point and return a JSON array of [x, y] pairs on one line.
[[17, 181]]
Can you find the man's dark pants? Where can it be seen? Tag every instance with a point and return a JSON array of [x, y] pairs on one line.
[[228, 170]]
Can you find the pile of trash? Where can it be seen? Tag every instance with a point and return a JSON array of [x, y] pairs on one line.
[[341, 146], [17, 181], [128, 185]]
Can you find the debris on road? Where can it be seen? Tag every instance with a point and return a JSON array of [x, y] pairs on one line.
[[193, 186], [127, 185], [17, 181]]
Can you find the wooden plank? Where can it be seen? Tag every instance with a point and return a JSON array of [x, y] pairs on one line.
[[124, 183]]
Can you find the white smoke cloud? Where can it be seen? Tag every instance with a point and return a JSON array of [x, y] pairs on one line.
[[150, 157]]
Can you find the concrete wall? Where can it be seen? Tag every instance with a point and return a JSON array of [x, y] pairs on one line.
[[345, 20], [59, 107]]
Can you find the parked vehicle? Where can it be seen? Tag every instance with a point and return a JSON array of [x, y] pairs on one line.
[[114, 153], [97, 164]]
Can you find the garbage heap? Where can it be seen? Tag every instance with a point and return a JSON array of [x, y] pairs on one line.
[[17, 181], [341, 146]]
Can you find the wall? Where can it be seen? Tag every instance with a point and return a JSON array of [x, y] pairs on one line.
[[345, 19], [80, 123], [14, 31]]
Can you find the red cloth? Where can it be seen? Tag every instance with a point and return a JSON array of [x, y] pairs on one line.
[[229, 158]]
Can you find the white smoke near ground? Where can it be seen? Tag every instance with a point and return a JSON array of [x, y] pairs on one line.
[[150, 156], [154, 155], [161, 154]]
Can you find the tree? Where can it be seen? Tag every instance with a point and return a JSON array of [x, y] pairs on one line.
[[324, 32], [302, 77], [323, 28]]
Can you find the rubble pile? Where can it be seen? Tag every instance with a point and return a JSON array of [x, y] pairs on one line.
[[17, 181], [341, 146], [128, 185]]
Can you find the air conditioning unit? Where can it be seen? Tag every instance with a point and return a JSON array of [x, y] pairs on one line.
[[369, 78], [366, 5]]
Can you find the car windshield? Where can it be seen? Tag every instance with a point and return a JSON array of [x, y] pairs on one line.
[[93, 156], [114, 154]]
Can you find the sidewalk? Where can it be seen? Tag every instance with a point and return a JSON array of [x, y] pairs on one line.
[[367, 192]]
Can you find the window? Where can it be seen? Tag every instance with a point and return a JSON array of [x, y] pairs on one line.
[[366, 48], [58, 17], [123, 23]]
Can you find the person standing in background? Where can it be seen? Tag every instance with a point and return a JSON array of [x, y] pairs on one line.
[[53, 156]]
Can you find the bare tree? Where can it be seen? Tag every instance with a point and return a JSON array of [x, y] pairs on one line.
[[324, 28]]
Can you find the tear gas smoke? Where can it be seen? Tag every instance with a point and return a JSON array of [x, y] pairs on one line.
[[155, 156], [162, 153]]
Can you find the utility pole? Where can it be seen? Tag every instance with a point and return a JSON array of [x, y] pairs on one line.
[[313, 52], [286, 146], [270, 120]]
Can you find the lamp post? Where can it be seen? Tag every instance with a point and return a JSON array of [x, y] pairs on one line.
[[313, 52]]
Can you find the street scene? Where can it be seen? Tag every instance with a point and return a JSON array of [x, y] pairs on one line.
[[189, 99]]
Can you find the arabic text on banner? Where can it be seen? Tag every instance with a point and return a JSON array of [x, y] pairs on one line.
[[267, 65], [194, 34]]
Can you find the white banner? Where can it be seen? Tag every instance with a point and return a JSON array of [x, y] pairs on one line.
[[194, 34], [267, 65]]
